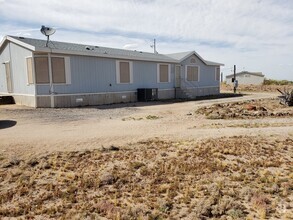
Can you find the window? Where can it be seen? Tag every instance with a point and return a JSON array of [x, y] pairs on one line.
[[124, 72], [42, 70], [192, 73], [60, 67], [163, 73], [58, 70], [217, 74], [29, 65]]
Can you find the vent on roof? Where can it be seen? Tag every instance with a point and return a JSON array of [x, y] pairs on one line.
[[89, 48], [21, 37], [96, 46]]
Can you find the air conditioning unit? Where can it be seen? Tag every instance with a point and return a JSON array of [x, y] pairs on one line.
[[147, 94]]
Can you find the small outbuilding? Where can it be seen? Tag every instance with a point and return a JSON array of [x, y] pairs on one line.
[[247, 78], [64, 74]]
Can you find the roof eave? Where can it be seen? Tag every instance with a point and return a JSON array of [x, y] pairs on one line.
[[216, 64], [18, 42]]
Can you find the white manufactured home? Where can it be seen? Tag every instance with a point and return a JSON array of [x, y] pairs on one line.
[[247, 78], [67, 74]]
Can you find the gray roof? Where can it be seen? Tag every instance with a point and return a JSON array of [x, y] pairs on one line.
[[93, 50], [180, 56], [245, 73], [183, 55]]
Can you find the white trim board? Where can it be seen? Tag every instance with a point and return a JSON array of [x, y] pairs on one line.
[[12, 94]]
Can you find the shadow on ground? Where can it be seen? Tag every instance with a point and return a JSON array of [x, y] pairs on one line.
[[162, 102], [7, 124]]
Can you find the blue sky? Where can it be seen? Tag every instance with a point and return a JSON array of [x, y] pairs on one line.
[[256, 35]]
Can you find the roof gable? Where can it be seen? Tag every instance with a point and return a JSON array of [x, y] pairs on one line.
[[7, 39], [184, 55]]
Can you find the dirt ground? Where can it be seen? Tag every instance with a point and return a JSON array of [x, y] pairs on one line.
[[48, 130], [148, 161]]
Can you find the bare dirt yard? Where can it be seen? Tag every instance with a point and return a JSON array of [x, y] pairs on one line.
[[229, 158]]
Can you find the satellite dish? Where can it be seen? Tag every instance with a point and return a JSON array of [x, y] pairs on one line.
[[47, 31]]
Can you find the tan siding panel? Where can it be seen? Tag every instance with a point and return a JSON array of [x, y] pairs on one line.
[[192, 73], [189, 73], [29, 65], [58, 70], [164, 73], [8, 77], [42, 69], [195, 73], [124, 72]]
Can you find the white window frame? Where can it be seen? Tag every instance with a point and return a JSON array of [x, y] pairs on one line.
[[219, 74], [118, 71], [198, 73], [67, 69], [158, 72]]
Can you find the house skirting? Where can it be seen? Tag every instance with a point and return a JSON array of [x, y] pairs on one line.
[[77, 100], [23, 99], [166, 94], [192, 93]]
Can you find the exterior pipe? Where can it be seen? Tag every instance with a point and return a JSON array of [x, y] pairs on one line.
[[51, 91]]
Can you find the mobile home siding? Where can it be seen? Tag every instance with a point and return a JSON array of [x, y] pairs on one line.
[[247, 79], [206, 73], [98, 75], [19, 70], [5, 57]]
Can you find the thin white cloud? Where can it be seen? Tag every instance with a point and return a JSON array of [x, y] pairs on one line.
[[130, 46]]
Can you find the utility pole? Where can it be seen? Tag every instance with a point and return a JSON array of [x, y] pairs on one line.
[[235, 80], [154, 46]]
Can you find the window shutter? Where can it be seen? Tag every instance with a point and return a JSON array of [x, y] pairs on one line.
[[29, 65], [58, 70], [124, 72], [164, 73], [42, 69]]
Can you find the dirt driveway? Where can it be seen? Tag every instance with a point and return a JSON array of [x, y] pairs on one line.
[[45, 130]]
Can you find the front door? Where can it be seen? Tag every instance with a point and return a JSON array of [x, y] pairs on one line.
[[8, 77], [177, 76]]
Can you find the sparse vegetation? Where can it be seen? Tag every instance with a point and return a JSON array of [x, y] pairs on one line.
[[268, 86], [246, 110], [277, 82], [239, 177], [148, 117]]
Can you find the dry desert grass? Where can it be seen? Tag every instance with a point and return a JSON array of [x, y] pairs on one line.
[[240, 177], [251, 109]]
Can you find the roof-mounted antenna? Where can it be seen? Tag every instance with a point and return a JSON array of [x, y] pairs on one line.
[[47, 31]]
